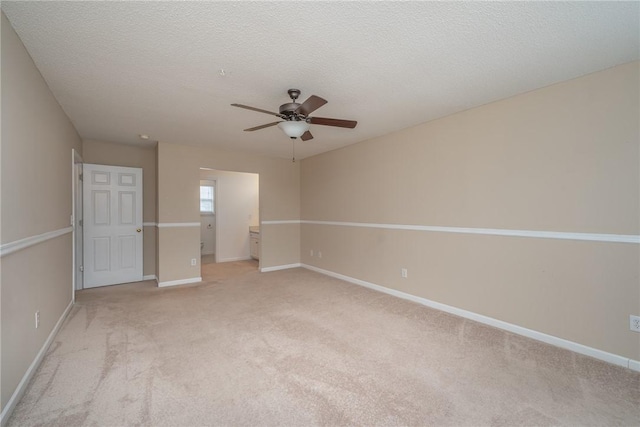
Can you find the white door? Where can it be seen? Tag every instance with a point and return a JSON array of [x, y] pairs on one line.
[[112, 225]]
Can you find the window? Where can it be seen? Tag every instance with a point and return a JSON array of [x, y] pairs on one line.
[[206, 199]]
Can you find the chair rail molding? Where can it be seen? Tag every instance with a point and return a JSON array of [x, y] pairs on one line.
[[542, 234], [11, 247]]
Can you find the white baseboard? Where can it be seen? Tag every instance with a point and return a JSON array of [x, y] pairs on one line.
[[179, 282], [242, 258], [529, 333], [150, 277], [280, 267], [22, 386]]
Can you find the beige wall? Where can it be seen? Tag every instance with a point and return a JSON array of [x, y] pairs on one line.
[[106, 153], [178, 181], [177, 246], [563, 158], [37, 139]]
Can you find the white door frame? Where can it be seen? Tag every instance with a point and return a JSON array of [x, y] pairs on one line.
[[216, 182], [76, 188]]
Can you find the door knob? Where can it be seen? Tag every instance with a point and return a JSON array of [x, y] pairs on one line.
[[139, 230]]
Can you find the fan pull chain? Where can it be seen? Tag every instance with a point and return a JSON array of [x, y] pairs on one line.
[[293, 149]]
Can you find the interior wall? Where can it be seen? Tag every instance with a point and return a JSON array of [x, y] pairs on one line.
[[237, 209], [178, 177], [564, 158], [36, 175], [113, 154]]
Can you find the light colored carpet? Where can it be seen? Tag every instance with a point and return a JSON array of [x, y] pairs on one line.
[[228, 270], [207, 259], [297, 348]]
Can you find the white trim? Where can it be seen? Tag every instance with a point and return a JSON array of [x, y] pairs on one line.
[[149, 224], [179, 282], [11, 247], [22, 386], [76, 190], [241, 258], [616, 238], [529, 333], [150, 277], [177, 224], [286, 221], [280, 267]]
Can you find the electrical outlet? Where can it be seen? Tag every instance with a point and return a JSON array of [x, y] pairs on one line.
[[319, 254], [311, 252], [37, 319], [403, 272], [634, 323], [193, 261]]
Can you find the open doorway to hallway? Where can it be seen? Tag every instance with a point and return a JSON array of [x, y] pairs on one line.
[[229, 211], [208, 221]]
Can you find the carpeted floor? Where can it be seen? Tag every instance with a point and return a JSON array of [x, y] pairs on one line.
[[207, 259], [295, 348]]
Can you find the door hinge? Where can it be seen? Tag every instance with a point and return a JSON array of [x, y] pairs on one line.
[[80, 223], [82, 268], [81, 177]]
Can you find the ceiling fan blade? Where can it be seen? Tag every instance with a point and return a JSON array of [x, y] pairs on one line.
[[333, 122], [306, 136], [261, 127], [311, 105], [246, 107]]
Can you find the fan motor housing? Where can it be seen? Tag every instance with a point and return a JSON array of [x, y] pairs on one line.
[[289, 108]]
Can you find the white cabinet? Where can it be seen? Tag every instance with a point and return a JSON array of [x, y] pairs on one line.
[[254, 245]]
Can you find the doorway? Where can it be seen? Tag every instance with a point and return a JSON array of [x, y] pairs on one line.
[[225, 232], [208, 221]]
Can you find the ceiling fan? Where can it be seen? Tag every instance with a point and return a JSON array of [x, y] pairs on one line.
[[295, 117]]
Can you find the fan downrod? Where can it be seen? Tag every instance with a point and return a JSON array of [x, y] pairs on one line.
[[288, 110]]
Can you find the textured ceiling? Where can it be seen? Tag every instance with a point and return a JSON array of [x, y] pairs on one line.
[[120, 69]]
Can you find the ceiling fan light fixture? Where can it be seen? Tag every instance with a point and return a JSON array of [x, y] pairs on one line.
[[294, 128], [295, 116]]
